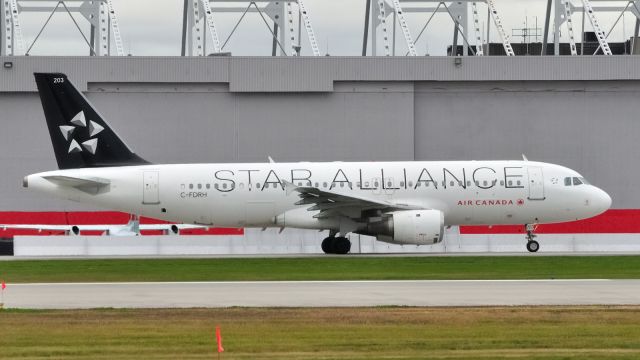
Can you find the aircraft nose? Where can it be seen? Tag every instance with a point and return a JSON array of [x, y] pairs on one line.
[[601, 200]]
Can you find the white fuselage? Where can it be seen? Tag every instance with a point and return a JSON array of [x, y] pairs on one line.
[[253, 195]]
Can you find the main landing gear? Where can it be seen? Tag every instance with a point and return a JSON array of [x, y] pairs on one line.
[[336, 245], [532, 244]]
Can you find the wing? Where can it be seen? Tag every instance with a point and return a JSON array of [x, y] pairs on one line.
[[336, 204], [89, 185], [36, 227], [170, 226]]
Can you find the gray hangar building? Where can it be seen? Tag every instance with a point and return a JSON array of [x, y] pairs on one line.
[[581, 112]]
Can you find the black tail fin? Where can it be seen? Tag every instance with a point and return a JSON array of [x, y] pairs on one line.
[[80, 136]]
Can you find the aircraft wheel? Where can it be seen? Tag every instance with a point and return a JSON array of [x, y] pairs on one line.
[[327, 245], [341, 246], [533, 246]]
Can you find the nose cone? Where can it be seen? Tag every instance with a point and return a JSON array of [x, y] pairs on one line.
[[601, 201]]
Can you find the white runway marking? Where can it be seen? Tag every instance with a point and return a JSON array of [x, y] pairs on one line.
[[323, 294]]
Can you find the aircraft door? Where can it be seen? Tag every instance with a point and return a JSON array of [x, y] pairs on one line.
[[151, 188], [536, 183]]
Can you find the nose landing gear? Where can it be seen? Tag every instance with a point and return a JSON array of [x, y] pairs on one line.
[[336, 245], [532, 244]]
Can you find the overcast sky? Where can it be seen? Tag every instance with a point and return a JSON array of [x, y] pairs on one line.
[[153, 27]]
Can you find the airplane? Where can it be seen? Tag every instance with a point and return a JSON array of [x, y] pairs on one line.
[[132, 228], [408, 202]]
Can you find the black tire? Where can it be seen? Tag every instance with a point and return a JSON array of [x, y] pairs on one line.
[[327, 245], [341, 246], [533, 246]]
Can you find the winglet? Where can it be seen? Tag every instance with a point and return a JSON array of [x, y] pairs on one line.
[[524, 157], [271, 160]]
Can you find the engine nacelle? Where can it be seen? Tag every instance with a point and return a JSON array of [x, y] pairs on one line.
[[410, 227]]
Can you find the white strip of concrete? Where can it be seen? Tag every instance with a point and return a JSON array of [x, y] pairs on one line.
[[323, 294], [292, 241]]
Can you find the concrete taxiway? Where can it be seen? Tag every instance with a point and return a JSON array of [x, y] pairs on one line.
[[323, 294]]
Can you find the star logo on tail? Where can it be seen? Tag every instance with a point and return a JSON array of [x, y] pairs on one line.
[[75, 131]]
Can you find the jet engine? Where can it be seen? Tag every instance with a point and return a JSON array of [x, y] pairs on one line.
[[409, 227]]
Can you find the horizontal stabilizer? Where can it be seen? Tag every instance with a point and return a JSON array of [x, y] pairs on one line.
[[89, 185]]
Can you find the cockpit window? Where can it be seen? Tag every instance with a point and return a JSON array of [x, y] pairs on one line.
[[567, 181], [573, 181]]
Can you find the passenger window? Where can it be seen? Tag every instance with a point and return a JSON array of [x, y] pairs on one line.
[[426, 184], [341, 184], [519, 183], [501, 182], [299, 183], [389, 184], [567, 181], [324, 184], [576, 181], [410, 183], [199, 186], [451, 183], [190, 186], [510, 183], [257, 185], [216, 186], [317, 185], [241, 185], [485, 183], [419, 184], [469, 183], [401, 183], [208, 186], [376, 184]]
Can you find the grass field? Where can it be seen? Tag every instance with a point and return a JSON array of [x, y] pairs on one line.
[[361, 333], [322, 268]]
